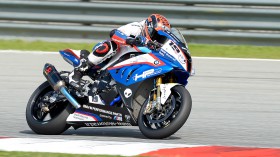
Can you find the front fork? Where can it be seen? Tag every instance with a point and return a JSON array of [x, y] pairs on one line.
[[158, 83], [155, 103]]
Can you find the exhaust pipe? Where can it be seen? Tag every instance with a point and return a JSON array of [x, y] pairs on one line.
[[58, 84]]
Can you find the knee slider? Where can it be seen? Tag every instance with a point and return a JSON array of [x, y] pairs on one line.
[[102, 49]]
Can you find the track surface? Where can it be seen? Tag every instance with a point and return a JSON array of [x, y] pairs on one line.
[[235, 102]]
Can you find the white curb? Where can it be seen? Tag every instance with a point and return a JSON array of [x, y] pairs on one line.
[[82, 146]]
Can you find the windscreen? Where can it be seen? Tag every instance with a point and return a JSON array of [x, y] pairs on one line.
[[179, 35]]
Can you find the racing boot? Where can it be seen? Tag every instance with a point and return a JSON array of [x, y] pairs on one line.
[[80, 70]]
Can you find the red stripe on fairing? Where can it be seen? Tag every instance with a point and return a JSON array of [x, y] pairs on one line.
[[70, 51], [136, 48], [161, 63], [215, 151]]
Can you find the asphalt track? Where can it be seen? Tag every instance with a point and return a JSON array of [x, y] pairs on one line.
[[235, 102]]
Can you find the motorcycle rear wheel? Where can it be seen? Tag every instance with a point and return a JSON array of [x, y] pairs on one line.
[[164, 124], [56, 124]]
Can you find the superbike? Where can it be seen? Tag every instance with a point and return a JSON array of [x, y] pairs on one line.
[[137, 87]]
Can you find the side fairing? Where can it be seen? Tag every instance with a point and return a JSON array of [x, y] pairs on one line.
[[138, 68]]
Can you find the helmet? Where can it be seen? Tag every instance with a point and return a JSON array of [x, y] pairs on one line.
[[154, 23]]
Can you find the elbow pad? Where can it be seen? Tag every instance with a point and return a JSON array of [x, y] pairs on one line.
[[118, 37]]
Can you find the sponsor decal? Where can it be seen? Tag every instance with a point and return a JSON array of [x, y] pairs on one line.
[[165, 53], [181, 58], [127, 118], [81, 117], [102, 110], [163, 92], [107, 124], [147, 73], [48, 70], [144, 74], [127, 93], [162, 52], [118, 118], [174, 46], [105, 116]]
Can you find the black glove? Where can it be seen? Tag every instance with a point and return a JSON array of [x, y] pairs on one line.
[[140, 40]]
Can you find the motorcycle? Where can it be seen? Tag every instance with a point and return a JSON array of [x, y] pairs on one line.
[[138, 86]]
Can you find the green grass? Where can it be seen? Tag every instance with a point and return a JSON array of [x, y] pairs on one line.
[[267, 52], [31, 154], [264, 52]]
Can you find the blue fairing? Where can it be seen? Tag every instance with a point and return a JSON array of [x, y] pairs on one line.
[[70, 58], [144, 49], [181, 74], [128, 75]]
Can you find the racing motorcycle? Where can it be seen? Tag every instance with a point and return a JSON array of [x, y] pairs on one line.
[[140, 86]]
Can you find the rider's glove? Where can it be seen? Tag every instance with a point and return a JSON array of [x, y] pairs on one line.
[[140, 40]]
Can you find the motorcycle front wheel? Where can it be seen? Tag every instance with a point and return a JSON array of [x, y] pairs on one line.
[[174, 113], [48, 123]]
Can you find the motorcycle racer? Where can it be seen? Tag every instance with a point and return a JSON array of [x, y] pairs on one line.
[[144, 84], [135, 33]]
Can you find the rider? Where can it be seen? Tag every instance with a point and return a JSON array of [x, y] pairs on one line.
[[135, 33]]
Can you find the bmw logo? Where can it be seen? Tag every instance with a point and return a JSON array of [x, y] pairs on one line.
[[156, 62]]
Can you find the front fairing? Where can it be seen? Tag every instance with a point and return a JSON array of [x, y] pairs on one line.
[[151, 63], [181, 74], [175, 50]]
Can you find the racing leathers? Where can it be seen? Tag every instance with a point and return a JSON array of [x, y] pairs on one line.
[[130, 34]]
